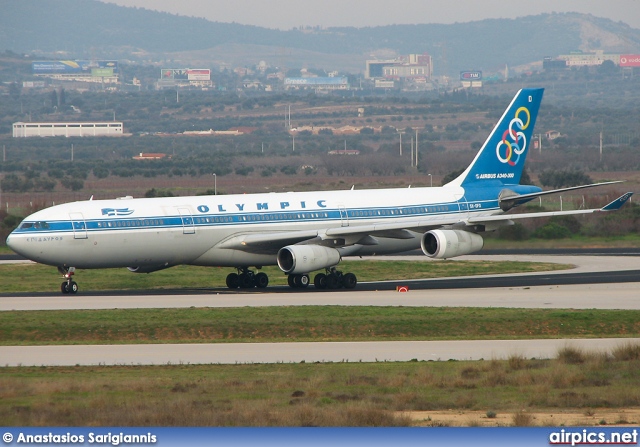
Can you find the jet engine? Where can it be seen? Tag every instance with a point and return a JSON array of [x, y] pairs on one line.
[[296, 259], [444, 244]]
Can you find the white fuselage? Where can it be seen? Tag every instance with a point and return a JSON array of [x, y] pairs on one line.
[[162, 232]]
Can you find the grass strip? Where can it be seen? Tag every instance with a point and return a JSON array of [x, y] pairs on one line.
[[40, 278], [327, 394], [308, 323]]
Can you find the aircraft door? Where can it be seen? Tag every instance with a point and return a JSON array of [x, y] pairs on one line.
[[463, 205], [79, 225], [188, 226], [344, 218]]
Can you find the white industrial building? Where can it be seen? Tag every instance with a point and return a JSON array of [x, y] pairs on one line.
[[76, 129]]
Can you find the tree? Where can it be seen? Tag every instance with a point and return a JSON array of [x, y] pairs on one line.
[[564, 178], [74, 184], [452, 175], [14, 90], [153, 192]]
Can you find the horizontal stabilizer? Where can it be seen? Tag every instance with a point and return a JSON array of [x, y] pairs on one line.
[[509, 201], [616, 204]]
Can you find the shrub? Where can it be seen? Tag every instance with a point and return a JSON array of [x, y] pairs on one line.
[[522, 419], [552, 230], [571, 356]]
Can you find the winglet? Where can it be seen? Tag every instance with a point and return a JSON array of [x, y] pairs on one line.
[[617, 204]]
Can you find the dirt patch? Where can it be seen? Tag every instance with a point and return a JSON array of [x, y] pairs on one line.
[[551, 418]]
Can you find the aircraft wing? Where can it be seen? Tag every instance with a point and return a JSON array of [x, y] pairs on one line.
[[266, 242], [271, 242]]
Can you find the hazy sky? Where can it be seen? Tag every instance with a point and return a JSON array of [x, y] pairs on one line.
[[286, 14]]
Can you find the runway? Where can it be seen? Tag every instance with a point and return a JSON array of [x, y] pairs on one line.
[[596, 282], [247, 353], [593, 284]]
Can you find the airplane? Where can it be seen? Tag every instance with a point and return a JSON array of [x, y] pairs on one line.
[[300, 232]]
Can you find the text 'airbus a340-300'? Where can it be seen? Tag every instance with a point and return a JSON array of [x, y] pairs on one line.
[[300, 232]]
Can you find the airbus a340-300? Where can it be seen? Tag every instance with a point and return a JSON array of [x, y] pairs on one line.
[[300, 232]]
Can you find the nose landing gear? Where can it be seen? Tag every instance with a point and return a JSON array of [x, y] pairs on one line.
[[68, 285]]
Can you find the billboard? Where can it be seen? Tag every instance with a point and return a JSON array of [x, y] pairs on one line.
[[185, 74], [174, 73], [471, 75], [82, 67], [72, 67], [199, 74], [312, 82], [630, 60], [102, 72]]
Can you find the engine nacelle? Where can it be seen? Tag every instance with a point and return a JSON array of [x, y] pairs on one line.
[[148, 268], [297, 259], [444, 244]]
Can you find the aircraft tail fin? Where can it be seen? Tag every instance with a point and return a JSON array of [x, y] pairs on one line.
[[501, 159]]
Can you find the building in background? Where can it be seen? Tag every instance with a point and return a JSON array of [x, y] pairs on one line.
[[75, 129], [317, 83], [411, 72], [593, 59]]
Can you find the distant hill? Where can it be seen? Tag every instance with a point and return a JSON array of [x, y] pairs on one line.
[[91, 29]]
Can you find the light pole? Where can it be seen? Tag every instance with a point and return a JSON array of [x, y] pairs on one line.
[[215, 184], [430, 180]]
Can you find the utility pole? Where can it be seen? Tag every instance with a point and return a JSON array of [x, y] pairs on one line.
[[416, 148], [412, 152], [71, 151], [600, 145], [539, 137]]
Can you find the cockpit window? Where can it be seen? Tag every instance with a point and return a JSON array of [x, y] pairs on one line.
[[41, 225]]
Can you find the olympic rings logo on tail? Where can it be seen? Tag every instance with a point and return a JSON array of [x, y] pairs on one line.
[[513, 139]]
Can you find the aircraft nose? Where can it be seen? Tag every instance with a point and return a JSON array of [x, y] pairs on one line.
[[17, 244]]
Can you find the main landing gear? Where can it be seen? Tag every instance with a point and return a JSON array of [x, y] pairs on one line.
[[332, 279], [247, 279], [68, 285]]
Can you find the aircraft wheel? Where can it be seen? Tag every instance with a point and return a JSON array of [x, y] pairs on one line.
[[246, 281], [64, 287], [291, 281], [349, 281], [233, 281], [262, 280], [303, 281], [73, 287], [320, 281], [333, 282]]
